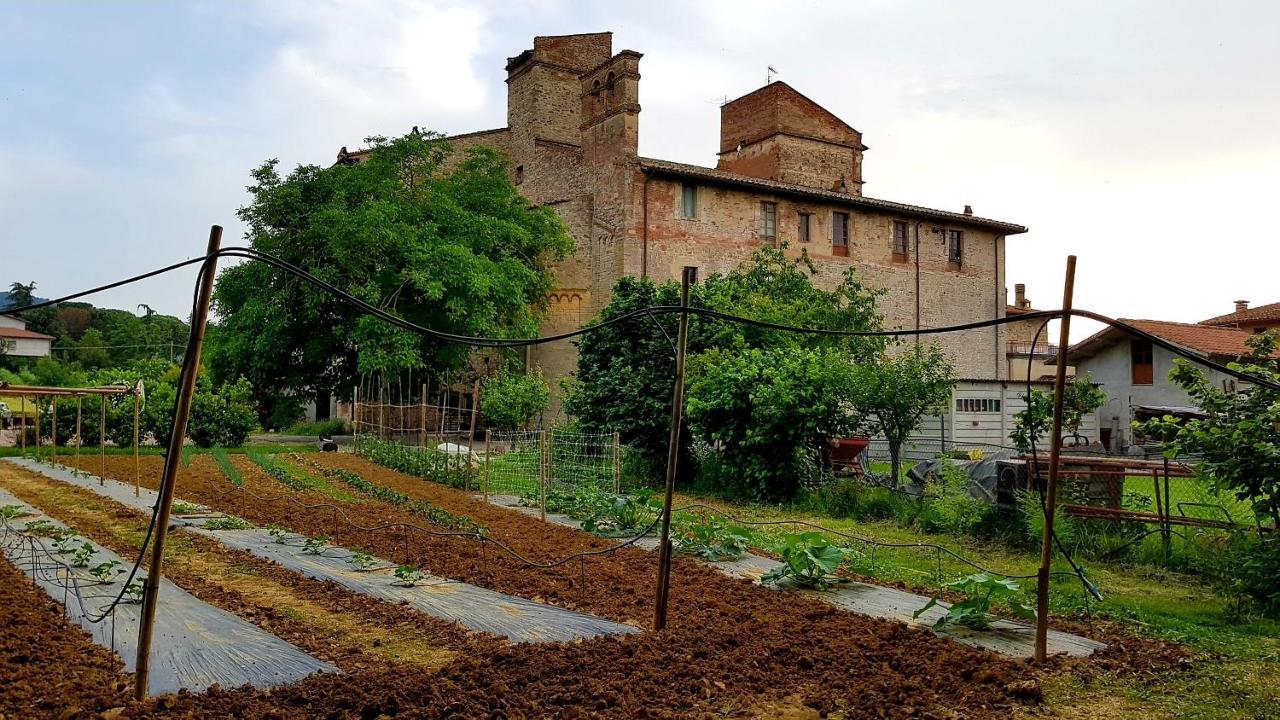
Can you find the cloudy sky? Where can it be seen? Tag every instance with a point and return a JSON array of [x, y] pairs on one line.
[[1140, 136]]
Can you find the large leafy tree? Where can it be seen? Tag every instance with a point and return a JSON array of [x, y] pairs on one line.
[[625, 372], [894, 391], [438, 238], [21, 295], [1079, 398]]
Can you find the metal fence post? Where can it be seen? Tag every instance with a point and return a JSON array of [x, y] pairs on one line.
[[542, 474]]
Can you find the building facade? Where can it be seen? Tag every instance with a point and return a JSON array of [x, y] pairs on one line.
[[17, 341], [789, 173]]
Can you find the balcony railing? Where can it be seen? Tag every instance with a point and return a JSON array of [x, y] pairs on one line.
[[1015, 347]]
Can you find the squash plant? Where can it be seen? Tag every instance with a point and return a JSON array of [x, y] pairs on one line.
[[980, 589], [710, 540], [808, 559]]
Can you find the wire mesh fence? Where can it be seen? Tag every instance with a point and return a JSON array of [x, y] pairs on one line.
[[523, 462]]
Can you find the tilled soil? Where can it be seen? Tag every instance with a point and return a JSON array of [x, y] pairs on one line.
[[730, 646]]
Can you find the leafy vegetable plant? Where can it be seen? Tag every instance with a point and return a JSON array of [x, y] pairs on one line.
[[82, 555], [808, 559], [105, 571], [408, 575], [185, 508], [315, 544], [277, 533], [710, 540], [980, 590], [229, 522], [9, 512], [40, 527], [133, 592], [361, 560], [65, 542]]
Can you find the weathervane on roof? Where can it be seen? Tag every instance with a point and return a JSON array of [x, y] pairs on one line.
[[768, 76]]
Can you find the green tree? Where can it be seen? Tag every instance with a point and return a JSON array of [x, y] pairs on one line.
[[1079, 398], [510, 400], [21, 295], [771, 411], [453, 247], [91, 351], [893, 392]]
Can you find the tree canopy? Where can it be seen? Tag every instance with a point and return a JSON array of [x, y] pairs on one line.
[[440, 238]]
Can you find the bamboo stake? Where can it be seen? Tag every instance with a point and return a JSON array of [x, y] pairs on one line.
[[79, 426], [102, 440], [53, 430], [39, 454], [488, 469], [542, 475], [1055, 451], [181, 413], [22, 434], [137, 461], [422, 403], [617, 463], [673, 454]]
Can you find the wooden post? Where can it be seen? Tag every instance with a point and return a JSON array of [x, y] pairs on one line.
[[79, 428], [1055, 451], [487, 468], [617, 463], [673, 454], [102, 440], [471, 434], [53, 429], [39, 455], [137, 461], [422, 431], [22, 413], [382, 405], [542, 474], [181, 413]]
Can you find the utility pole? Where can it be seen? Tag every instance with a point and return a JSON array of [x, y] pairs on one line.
[[181, 413], [687, 278], [1055, 451]]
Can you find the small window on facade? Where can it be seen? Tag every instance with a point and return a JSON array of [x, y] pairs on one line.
[[769, 222], [978, 405], [804, 227], [901, 231], [840, 233], [1141, 361], [519, 174], [955, 247], [689, 200]]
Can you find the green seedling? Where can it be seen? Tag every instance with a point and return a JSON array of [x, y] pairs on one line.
[[408, 575], [104, 572], [186, 508], [361, 560], [9, 512], [980, 589], [82, 555], [808, 559], [315, 544], [711, 540], [133, 592], [41, 527], [65, 542], [277, 533], [229, 522]]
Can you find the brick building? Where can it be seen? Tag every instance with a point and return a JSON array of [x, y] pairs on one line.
[[789, 172]]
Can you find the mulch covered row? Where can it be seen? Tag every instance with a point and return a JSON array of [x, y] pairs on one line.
[[729, 645]]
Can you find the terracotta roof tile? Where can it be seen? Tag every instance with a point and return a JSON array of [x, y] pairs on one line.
[[730, 178], [23, 334], [1206, 340], [1260, 313]]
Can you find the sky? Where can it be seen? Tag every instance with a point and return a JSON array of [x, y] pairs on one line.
[[1140, 136]]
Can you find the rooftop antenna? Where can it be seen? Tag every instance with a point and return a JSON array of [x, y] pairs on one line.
[[768, 76]]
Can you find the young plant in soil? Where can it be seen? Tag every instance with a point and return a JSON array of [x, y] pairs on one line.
[[133, 592], [9, 512], [229, 471], [808, 559], [277, 533], [82, 555], [710, 540], [65, 542], [229, 522], [408, 575], [42, 528], [315, 544], [361, 560], [980, 589], [106, 571], [185, 508]]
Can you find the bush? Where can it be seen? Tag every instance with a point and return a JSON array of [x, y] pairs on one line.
[[511, 400], [224, 418], [957, 511], [328, 428]]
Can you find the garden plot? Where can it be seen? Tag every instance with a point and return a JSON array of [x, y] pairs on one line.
[[1006, 637], [195, 645], [517, 619]]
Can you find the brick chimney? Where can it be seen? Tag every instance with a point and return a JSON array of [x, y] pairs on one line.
[[1020, 296], [1242, 305]]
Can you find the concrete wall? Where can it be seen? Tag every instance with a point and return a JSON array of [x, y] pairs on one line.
[[26, 347], [1111, 368]]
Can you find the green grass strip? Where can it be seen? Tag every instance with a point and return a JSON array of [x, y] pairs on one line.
[[223, 460], [296, 478]]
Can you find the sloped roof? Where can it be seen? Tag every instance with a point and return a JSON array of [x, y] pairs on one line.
[[1201, 339], [698, 172], [1261, 313], [22, 334]]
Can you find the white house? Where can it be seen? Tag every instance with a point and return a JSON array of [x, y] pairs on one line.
[[1135, 373], [17, 341]]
